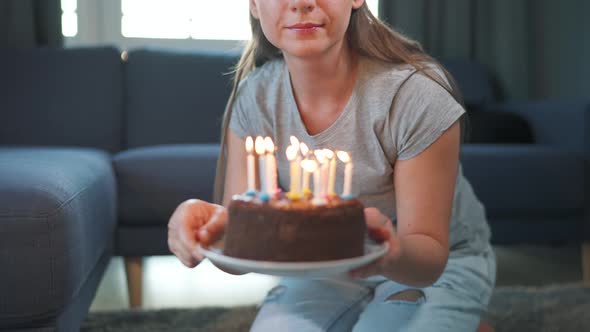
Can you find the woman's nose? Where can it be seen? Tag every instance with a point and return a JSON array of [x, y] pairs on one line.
[[304, 6]]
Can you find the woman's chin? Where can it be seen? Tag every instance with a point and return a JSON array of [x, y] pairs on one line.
[[305, 51]]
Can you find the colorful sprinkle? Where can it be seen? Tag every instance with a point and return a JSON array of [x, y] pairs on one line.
[[293, 196], [264, 197]]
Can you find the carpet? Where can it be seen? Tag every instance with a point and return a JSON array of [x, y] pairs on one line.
[[519, 309]]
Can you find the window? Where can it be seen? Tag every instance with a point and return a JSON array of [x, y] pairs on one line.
[[175, 23], [180, 19], [69, 18]]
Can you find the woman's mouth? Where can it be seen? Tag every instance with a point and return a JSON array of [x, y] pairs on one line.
[[305, 27]]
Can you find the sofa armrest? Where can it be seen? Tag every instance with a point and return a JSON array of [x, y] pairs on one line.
[[556, 123]]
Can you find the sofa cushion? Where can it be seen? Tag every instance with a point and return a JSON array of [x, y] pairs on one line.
[[526, 181], [473, 80], [152, 181], [71, 97], [57, 219], [175, 97]]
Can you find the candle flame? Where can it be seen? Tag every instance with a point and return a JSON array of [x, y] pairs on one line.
[[320, 155], [309, 165], [291, 152], [259, 144], [294, 142], [249, 144], [269, 145], [343, 156], [304, 149], [329, 153]]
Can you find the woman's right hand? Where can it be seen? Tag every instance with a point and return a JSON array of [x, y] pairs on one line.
[[195, 222]]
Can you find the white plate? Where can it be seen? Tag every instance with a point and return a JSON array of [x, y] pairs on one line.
[[296, 269]]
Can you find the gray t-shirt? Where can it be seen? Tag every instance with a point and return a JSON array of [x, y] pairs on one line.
[[376, 132]]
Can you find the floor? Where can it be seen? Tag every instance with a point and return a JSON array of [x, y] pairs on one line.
[[169, 284]]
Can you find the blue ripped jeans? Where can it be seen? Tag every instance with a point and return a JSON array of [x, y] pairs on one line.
[[454, 303]]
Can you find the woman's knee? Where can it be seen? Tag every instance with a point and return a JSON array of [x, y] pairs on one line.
[[312, 306]]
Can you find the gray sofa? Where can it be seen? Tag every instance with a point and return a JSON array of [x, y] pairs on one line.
[[96, 152]]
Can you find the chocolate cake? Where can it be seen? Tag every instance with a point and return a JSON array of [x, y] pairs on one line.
[[294, 231]]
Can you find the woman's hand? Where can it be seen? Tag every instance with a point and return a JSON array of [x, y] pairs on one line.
[[381, 229], [195, 222]]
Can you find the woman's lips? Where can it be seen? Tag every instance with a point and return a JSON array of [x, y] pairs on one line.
[[305, 27]]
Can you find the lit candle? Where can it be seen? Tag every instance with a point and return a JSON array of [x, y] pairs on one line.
[[294, 142], [306, 175], [332, 172], [311, 166], [260, 151], [271, 166], [297, 165], [250, 165], [325, 172], [318, 199], [304, 149], [295, 171], [305, 186], [345, 158], [321, 182]]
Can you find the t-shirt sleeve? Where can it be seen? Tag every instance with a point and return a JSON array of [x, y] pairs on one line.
[[242, 120], [422, 111]]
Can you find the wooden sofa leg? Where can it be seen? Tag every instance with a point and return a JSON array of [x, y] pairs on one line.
[[133, 270], [586, 262]]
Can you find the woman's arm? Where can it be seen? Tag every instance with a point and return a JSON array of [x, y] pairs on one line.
[[424, 189], [196, 222], [235, 172], [235, 183]]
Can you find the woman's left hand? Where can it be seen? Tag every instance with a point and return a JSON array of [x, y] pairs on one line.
[[380, 229]]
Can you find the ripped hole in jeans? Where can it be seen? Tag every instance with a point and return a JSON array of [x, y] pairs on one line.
[[408, 296]]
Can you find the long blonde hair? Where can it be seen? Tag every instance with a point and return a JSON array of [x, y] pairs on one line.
[[366, 34]]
